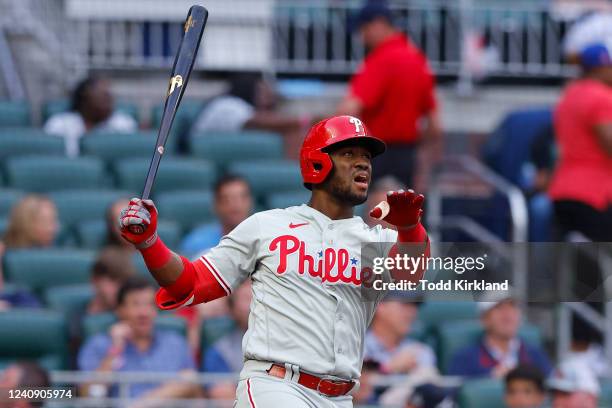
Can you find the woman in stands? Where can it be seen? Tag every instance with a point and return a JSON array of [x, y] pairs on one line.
[[33, 224]]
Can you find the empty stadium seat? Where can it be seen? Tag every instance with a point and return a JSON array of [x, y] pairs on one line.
[[268, 177], [186, 208], [482, 393], [93, 235], [8, 198], [40, 269], [3, 226], [34, 335], [45, 173], [84, 206], [433, 313], [115, 146], [16, 142], [455, 335], [605, 398], [70, 300], [174, 174], [288, 199], [100, 323], [14, 113], [224, 148], [52, 107]]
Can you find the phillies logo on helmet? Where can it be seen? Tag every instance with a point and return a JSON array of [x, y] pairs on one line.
[[359, 128]]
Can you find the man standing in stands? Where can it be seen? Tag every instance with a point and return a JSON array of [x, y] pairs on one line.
[[392, 92]]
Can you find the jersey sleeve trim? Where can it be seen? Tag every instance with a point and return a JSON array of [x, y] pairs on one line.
[[215, 272]]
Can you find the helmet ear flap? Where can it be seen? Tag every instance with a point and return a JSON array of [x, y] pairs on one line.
[[320, 164]]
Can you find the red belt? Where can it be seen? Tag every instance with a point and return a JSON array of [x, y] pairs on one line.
[[327, 387]]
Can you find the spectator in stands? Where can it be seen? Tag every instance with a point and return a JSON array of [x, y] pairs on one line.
[[32, 224], [581, 186], [392, 92], [251, 103], [133, 344], [233, 204], [574, 385], [225, 355], [92, 108], [111, 270], [21, 375], [113, 236], [524, 387], [378, 193], [387, 344], [593, 27], [500, 349]]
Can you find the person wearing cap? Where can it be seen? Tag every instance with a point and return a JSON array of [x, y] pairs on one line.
[[499, 349], [392, 92], [574, 385], [581, 186]]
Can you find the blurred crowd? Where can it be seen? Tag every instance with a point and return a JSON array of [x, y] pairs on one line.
[[560, 156]]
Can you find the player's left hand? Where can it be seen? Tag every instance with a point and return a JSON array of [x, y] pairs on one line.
[[402, 209]]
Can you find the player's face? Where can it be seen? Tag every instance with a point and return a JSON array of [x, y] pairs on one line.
[[523, 394], [139, 311], [350, 177]]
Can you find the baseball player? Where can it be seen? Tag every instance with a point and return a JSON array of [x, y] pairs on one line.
[[305, 338]]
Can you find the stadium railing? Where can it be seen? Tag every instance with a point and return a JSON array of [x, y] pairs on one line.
[[312, 36]]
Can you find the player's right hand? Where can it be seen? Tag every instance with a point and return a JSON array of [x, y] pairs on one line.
[[142, 213]]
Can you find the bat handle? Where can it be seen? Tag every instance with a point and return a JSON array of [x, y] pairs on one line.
[[136, 229]]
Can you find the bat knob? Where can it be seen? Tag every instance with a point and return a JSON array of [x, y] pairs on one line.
[[136, 229]]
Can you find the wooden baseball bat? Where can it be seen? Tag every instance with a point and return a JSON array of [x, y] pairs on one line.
[[183, 64]]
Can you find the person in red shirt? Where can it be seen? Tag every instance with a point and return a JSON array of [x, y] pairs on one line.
[[392, 92], [581, 186]]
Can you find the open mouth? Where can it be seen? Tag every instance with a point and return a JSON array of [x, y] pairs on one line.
[[362, 180]]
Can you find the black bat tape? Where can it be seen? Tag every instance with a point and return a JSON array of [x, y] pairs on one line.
[[183, 65]]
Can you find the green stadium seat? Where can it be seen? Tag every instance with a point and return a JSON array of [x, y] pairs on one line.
[[288, 199], [40, 269], [269, 177], [50, 108], [3, 226], [44, 174], [38, 335], [14, 113], [16, 142], [433, 313], [605, 398], [186, 208], [482, 393], [213, 329], [225, 148], [83, 206], [454, 335], [93, 235], [174, 174], [115, 146], [8, 198], [70, 300], [100, 323]]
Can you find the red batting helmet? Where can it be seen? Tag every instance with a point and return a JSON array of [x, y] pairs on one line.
[[315, 162]]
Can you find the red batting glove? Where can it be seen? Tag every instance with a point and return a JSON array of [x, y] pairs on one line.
[[402, 209], [143, 213]]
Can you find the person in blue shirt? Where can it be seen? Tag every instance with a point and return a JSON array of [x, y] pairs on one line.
[[500, 349], [233, 204], [133, 344], [225, 355]]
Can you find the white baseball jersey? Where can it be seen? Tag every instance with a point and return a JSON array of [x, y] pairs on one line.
[[307, 306]]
